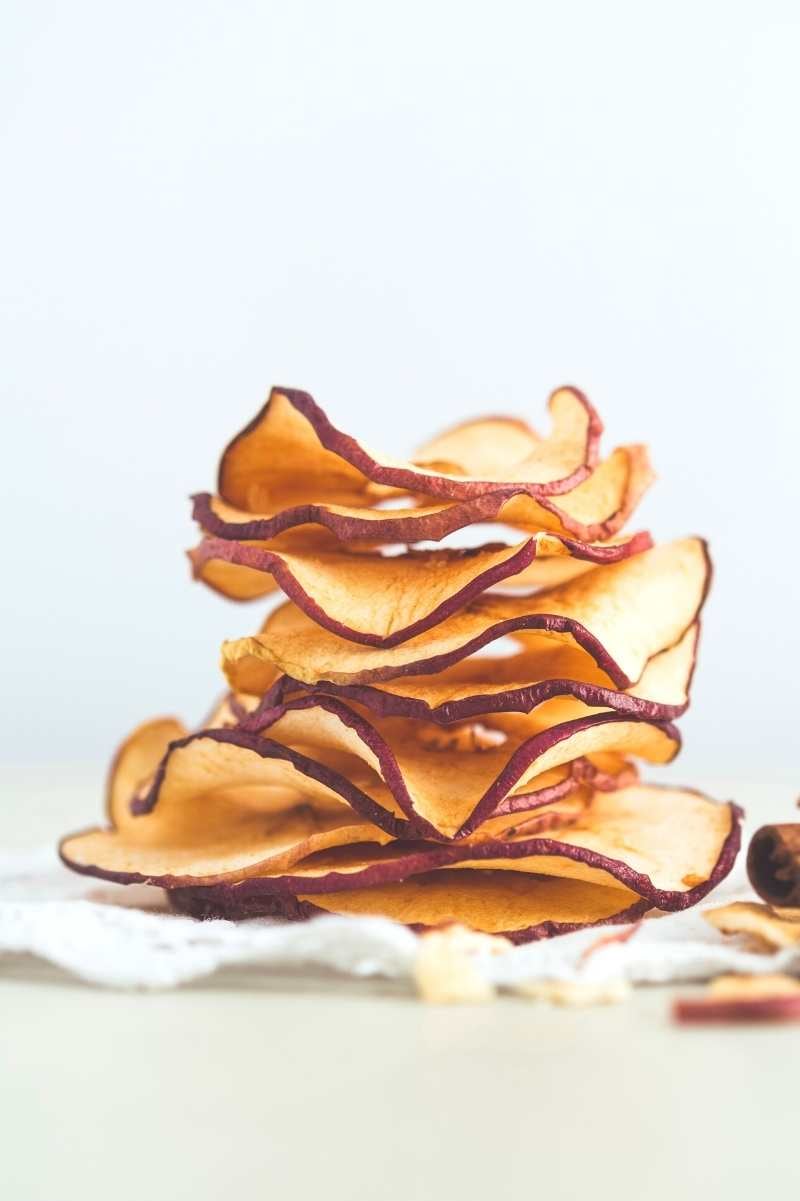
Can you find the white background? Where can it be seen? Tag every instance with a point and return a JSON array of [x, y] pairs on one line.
[[416, 212]]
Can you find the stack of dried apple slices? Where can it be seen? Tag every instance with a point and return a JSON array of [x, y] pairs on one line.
[[431, 735]]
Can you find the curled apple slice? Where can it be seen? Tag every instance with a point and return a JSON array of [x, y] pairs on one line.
[[338, 588], [385, 769], [670, 846], [667, 847], [481, 685], [448, 793], [593, 511], [235, 830], [653, 847], [219, 811], [291, 441], [759, 925], [602, 627], [135, 762], [216, 837], [517, 906]]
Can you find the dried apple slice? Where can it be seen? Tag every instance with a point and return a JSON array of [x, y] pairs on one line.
[[220, 809], [134, 765], [765, 998], [291, 441], [338, 588], [667, 847], [213, 762], [759, 924], [602, 627], [593, 511], [218, 805], [519, 907], [482, 685], [230, 827], [215, 837], [442, 793], [670, 846], [481, 446], [136, 761], [321, 750]]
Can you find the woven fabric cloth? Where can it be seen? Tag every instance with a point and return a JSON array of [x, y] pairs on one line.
[[120, 937]]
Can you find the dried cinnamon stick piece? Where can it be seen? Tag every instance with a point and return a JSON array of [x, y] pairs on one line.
[[773, 864]]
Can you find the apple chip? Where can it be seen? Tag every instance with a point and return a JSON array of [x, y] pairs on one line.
[[133, 767], [668, 846], [483, 446], [136, 761], [651, 846], [291, 441], [221, 810], [593, 511], [385, 771], [517, 906], [601, 627], [482, 685], [447, 793], [768, 998], [222, 837], [222, 814], [758, 923], [290, 468], [339, 588]]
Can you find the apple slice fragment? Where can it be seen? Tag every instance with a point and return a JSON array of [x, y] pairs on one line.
[[763, 998], [759, 924]]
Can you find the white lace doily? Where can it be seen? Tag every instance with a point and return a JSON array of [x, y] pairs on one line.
[[122, 937]]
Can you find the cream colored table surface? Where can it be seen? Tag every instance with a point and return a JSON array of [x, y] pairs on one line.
[[320, 1088]]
